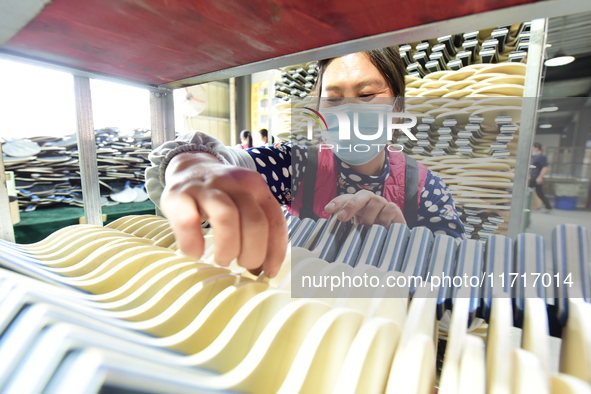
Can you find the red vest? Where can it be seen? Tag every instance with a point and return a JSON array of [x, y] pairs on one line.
[[326, 182]]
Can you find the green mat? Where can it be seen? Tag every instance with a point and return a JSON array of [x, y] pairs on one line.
[[38, 224]]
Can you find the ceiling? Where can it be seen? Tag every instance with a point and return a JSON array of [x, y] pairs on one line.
[[569, 35]]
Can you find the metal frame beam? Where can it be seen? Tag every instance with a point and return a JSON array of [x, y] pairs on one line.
[[162, 119], [162, 116], [6, 229], [15, 57], [15, 14], [87, 151], [527, 129]]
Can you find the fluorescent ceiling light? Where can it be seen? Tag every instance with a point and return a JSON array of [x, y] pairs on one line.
[[559, 61], [548, 109], [545, 126]]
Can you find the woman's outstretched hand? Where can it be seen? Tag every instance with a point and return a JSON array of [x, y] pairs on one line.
[[247, 219], [367, 208]]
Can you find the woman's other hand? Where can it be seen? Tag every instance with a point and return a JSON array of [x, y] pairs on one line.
[[248, 222], [367, 208]]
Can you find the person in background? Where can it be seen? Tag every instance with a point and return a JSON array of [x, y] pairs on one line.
[[195, 178], [536, 179], [245, 140], [265, 138]]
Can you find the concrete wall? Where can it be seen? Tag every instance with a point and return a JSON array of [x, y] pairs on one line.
[[548, 140]]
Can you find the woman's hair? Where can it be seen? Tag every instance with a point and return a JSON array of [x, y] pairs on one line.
[[265, 134], [386, 60], [245, 134]]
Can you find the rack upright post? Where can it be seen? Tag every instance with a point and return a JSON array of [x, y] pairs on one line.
[[529, 117], [6, 229], [87, 150]]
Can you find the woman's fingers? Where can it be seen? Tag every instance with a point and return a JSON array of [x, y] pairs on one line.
[[263, 225], [369, 214], [337, 203], [277, 245], [391, 214], [367, 208], [248, 222], [185, 220], [224, 217], [254, 232], [349, 204]]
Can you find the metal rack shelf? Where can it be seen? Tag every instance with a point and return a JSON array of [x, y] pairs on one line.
[[166, 45]]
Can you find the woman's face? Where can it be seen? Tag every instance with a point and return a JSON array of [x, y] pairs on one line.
[[354, 78]]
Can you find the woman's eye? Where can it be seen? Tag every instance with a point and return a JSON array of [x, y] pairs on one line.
[[333, 100], [367, 97]]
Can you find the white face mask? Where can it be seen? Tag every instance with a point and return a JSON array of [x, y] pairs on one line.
[[367, 133]]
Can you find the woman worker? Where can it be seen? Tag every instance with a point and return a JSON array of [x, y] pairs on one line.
[[196, 178], [245, 140], [264, 137]]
